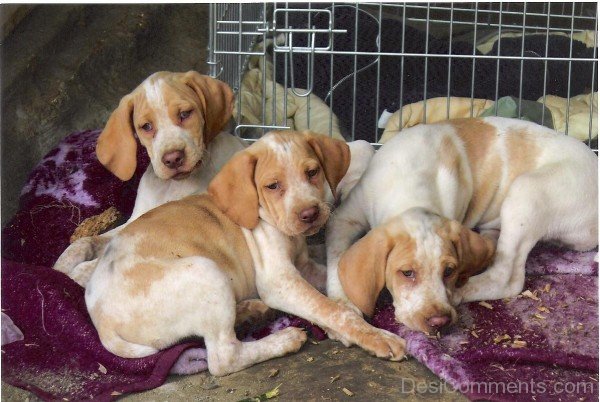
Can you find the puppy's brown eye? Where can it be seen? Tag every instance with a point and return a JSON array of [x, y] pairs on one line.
[[184, 115], [273, 186], [147, 127], [409, 273], [312, 173], [448, 271]]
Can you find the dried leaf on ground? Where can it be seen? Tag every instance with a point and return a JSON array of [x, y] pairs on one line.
[[347, 391], [263, 397]]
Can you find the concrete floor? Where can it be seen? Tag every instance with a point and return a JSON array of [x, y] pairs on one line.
[[317, 373], [64, 68]]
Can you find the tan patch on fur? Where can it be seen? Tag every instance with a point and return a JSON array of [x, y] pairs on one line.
[[369, 264], [142, 276], [486, 166], [402, 257], [191, 227], [522, 153], [451, 159], [477, 135], [449, 156]]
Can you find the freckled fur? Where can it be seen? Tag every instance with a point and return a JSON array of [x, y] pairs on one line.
[[183, 268], [219, 240], [434, 183], [158, 100]]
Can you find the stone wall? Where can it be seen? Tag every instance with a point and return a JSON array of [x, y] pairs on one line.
[[65, 67]]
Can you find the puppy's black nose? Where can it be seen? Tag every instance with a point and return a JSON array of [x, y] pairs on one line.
[[173, 159], [309, 215], [438, 322]]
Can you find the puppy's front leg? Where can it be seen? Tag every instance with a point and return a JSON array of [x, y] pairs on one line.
[[506, 276], [344, 227], [313, 272], [281, 286]]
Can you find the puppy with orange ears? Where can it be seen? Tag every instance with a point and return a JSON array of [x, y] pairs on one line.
[[184, 268], [179, 119], [425, 190]]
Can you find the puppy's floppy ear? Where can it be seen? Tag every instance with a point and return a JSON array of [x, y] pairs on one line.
[[475, 252], [116, 147], [234, 191], [334, 156], [362, 269], [216, 98]]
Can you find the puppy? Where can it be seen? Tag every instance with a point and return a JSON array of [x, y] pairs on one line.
[[178, 118], [180, 269], [515, 181]]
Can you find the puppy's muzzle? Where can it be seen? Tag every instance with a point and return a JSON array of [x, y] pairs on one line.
[[439, 321], [173, 159], [309, 215]]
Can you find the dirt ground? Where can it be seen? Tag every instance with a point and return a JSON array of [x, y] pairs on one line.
[[319, 372]]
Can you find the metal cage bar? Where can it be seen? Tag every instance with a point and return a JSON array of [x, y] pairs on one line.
[[314, 64]]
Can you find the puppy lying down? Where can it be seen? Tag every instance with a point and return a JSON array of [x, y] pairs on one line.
[[425, 190], [180, 269]]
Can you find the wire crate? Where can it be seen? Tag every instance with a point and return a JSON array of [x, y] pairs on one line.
[[357, 71]]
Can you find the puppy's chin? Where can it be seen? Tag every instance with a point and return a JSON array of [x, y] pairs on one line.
[[312, 230], [181, 173], [309, 229], [301, 230]]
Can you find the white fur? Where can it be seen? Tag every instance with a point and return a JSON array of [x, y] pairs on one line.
[[79, 259], [195, 297], [556, 200], [154, 191]]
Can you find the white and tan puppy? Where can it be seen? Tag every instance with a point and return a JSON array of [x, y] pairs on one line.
[[514, 181], [178, 118], [180, 269]]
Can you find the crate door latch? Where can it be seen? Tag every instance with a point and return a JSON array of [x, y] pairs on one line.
[[289, 48]]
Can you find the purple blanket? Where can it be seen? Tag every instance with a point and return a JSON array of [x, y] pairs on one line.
[[544, 344]]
